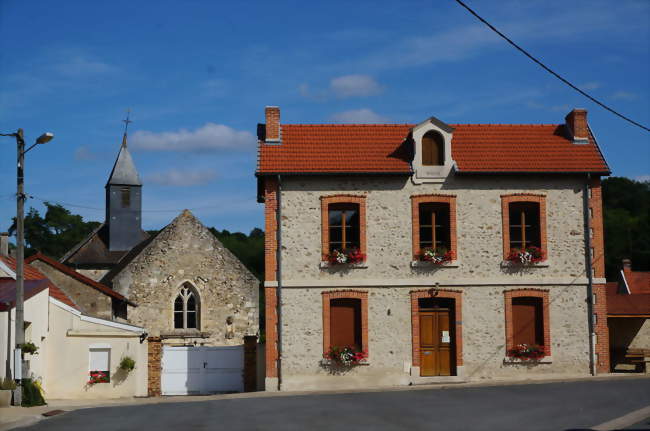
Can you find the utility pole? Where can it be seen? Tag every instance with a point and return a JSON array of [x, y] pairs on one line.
[[20, 267], [19, 337]]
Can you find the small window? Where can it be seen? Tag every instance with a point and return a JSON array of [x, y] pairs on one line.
[[345, 323], [343, 224], [527, 321], [434, 226], [524, 225], [99, 367], [433, 149], [186, 309], [125, 194]]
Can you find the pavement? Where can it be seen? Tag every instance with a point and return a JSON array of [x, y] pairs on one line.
[[582, 404]]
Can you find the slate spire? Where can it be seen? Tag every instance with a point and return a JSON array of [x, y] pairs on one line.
[[124, 201]]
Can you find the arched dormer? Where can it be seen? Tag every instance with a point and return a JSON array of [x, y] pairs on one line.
[[187, 307], [432, 160]]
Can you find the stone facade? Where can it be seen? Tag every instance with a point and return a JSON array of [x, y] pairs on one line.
[[477, 273], [186, 253], [89, 300]]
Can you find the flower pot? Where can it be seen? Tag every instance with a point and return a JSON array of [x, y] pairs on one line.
[[5, 397]]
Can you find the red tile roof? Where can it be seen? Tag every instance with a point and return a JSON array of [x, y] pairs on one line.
[[638, 281], [386, 148], [80, 277], [33, 274]]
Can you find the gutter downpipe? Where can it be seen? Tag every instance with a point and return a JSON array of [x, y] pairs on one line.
[[278, 259], [590, 281]]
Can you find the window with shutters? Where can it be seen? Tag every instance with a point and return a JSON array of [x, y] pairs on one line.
[[345, 323], [186, 308], [99, 364], [343, 224], [524, 223], [345, 319], [433, 149], [434, 225], [527, 319]]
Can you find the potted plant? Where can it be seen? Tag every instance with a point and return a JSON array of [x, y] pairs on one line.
[[527, 352], [437, 256], [29, 348], [127, 364], [526, 256], [345, 356], [7, 386], [342, 257]]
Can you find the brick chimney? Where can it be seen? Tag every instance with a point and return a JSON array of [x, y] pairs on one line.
[[576, 123], [4, 244], [272, 124]]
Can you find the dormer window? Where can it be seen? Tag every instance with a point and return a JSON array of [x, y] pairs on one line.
[[432, 160], [433, 149]]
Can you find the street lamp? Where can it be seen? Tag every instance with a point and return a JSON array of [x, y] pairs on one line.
[[20, 255]]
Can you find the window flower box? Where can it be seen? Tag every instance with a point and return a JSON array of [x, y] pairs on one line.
[[346, 356], [346, 257], [437, 256], [99, 377], [527, 352], [527, 256]]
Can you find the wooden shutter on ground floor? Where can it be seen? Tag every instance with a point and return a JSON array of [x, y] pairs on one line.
[[345, 322], [527, 321]]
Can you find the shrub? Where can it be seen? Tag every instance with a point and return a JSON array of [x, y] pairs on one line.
[[7, 384], [29, 348], [32, 395], [127, 364]]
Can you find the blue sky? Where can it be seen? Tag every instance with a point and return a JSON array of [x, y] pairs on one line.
[[197, 75]]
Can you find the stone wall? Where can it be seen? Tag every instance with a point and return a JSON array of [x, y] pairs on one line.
[[90, 300], [186, 252], [479, 227], [390, 346], [93, 274], [629, 332]]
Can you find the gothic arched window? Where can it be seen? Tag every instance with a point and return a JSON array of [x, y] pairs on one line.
[[186, 309]]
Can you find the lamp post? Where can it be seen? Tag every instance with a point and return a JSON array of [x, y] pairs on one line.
[[20, 255]]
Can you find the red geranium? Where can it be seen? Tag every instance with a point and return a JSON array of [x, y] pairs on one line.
[[531, 254], [339, 257], [98, 377]]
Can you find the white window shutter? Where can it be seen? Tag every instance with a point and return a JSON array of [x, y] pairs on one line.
[[100, 359]]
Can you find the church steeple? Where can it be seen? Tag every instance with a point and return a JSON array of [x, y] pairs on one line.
[[124, 201]]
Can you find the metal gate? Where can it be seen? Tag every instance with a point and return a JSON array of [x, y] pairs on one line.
[[202, 370]]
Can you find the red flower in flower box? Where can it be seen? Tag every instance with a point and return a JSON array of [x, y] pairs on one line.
[[99, 377], [528, 255], [351, 256]]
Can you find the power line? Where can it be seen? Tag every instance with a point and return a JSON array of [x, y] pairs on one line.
[[66, 204], [549, 70]]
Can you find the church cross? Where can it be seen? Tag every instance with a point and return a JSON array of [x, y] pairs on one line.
[[127, 121]]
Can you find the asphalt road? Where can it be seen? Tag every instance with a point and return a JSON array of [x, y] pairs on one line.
[[548, 406]]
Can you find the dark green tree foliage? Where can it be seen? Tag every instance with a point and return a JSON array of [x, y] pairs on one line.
[[56, 233], [248, 249], [626, 205]]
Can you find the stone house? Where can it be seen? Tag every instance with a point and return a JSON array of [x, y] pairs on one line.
[[436, 249], [189, 292]]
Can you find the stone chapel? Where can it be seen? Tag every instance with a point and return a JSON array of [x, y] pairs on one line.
[[181, 283]]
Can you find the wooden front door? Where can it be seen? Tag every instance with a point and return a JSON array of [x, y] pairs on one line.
[[436, 343]]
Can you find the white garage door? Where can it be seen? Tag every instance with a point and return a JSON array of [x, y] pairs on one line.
[[202, 370]]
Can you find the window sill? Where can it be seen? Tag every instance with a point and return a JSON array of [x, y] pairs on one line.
[[430, 265], [185, 333], [326, 265], [329, 363], [511, 360], [515, 265]]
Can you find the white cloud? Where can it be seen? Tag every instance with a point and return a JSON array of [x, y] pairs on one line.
[[354, 86], [592, 85], [642, 178], [80, 66], [624, 95], [84, 153], [181, 178], [210, 137], [358, 116]]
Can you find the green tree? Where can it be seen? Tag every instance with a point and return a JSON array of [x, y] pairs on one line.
[[626, 206], [248, 249], [56, 233]]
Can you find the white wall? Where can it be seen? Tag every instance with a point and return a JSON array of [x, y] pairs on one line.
[[68, 348]]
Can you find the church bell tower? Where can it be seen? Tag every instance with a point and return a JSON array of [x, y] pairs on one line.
[[124, 201]]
